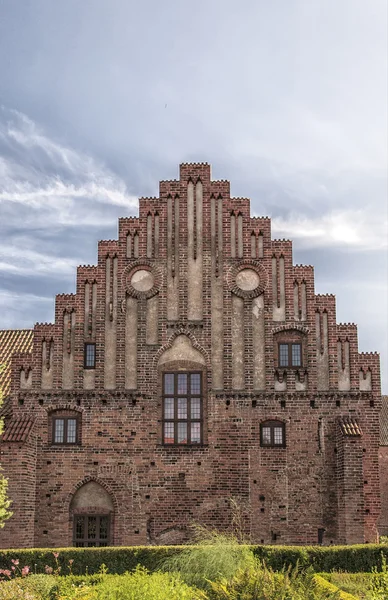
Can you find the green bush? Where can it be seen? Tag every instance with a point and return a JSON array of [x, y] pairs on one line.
[[89, 560], [118, 560], [261, 583], [214, 556], [325, 585], [141, 584]]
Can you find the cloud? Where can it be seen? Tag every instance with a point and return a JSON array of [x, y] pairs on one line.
[[356, 229], [55, 183]]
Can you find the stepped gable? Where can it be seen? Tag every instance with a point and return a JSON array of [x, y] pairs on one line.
[[12, 341], [193, 364]]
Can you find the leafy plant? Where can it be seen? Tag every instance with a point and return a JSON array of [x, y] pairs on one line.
[[213, 555], [262, 583], [5, 503], [142, 584]]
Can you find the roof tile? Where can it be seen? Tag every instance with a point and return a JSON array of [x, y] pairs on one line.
[[11, 341], [384, 421], [349, 426], [18, 430]]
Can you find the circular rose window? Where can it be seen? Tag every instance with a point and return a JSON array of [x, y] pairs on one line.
[[142, 280], [247, 280]]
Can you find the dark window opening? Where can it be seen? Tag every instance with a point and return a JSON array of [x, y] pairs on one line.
[[91, 531], [65, 430], [290, 355], [321, 533], [182, 408], [272, 434], [90, 356]]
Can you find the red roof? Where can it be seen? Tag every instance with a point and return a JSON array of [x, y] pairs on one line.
[[12, 341], [18, 430]]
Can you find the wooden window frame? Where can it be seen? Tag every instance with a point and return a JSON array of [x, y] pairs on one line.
[[86, 366], [289, 364], [272, 425], [89, 542], [66, 419], [189, 420]]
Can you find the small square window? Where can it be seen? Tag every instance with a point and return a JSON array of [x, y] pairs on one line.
[[90, 356], [65, 430], [290, 355], [272, 434]]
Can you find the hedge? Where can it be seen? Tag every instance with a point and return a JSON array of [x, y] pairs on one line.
[[325, 586], [360, 558]]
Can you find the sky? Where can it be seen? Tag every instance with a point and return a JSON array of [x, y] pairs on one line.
[[99, 100]]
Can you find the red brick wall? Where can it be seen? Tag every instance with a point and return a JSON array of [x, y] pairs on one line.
[[286, 494]]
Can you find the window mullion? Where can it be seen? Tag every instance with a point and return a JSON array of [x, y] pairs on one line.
[[175, 408], [188, 419]]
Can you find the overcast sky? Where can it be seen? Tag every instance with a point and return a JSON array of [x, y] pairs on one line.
[[100, 99]]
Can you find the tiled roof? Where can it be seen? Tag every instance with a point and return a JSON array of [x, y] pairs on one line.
[[11, 341], [349, 426], [18, 430], [6, 408], [384, 421]]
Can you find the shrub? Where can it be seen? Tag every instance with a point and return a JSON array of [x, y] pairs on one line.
[[141, 584], [261, 583], [323, 585], [213, 556], [118, 560]]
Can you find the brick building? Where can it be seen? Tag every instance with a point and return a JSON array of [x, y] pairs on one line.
[[194, 365]]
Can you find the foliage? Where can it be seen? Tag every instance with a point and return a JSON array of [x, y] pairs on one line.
[[118, 560], [141, 584], [5, 503], [135, 586], [323, 584], [353, 559], [213, 555], [379, 582], [261, 583], [383, 539]]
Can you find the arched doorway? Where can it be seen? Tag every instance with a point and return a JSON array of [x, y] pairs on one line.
[[92, 509]]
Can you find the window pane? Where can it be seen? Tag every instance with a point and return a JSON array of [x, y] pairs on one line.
[[195, 408], [103, 528], [283, 355], [182, 383], [169, 408], [266, 436], [71, 431], [296, 355], [169, 433], [90, 355], [79, 528], [195, 433], [182, 433], [182, 408], [59, 427], [92, 522], [278, 436], [196, 383], [168, 383]]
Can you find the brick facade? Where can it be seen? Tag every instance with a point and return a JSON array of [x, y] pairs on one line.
[[194, 285]]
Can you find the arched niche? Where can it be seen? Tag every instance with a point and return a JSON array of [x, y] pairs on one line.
[[92, 498], [182, 349]]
